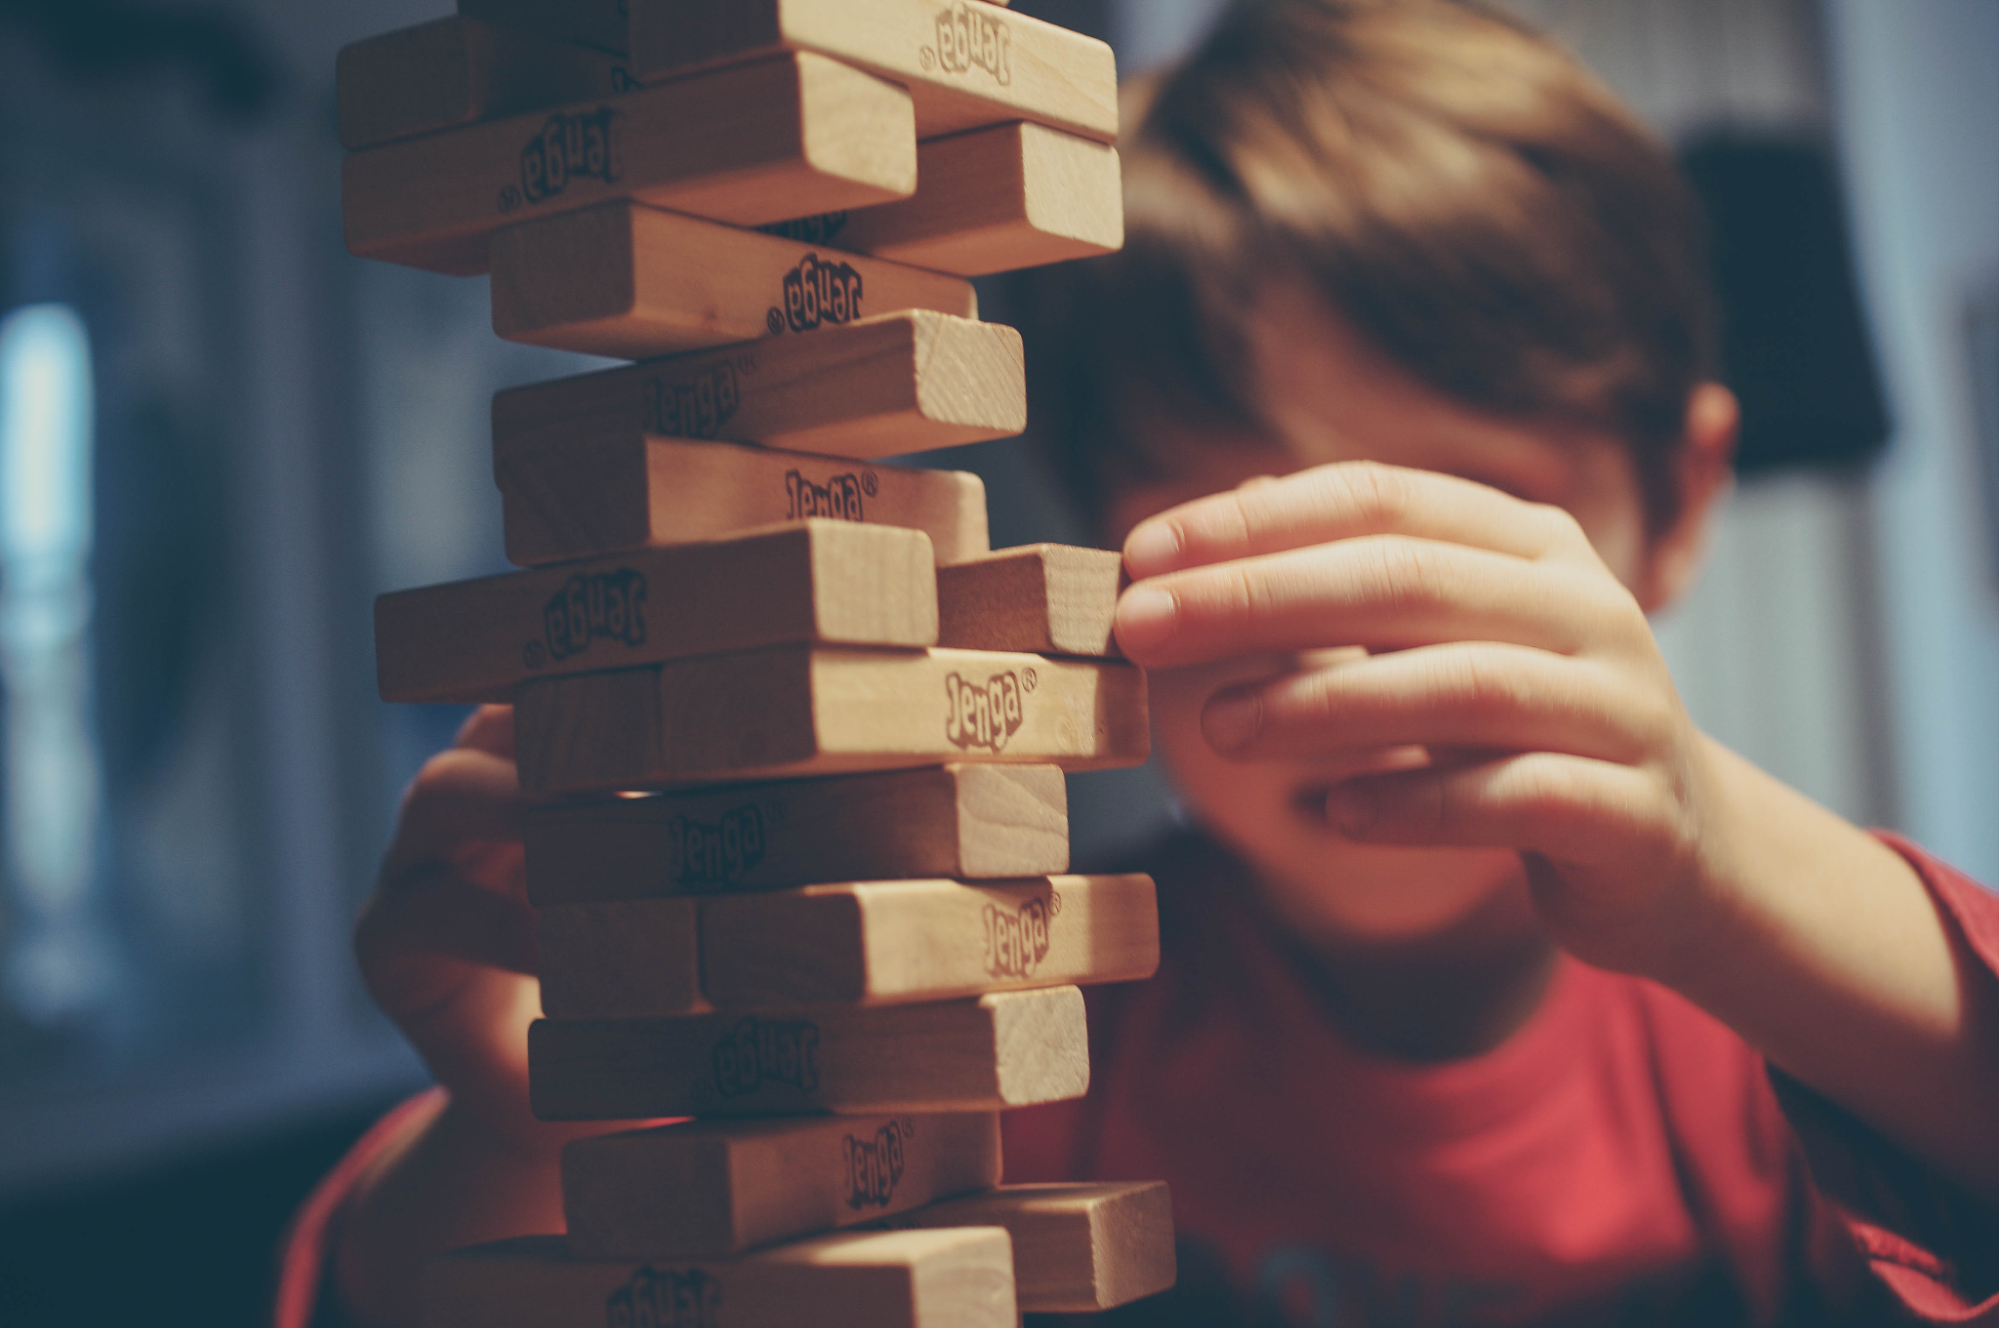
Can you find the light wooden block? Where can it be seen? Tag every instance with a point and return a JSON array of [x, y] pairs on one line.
[[633, 282], [990, 200], [1004, 1050], [957, 1276], [460, 71], [1077, 1247], [883, 942], [718, 1187], [1053, 599], [774, 139], [973, 821], [617, 958], [816, 580], [965, 64], [824, 710], [585, 499], [888, 384], [604, 24]]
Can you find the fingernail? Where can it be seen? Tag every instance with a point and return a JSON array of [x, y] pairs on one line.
[[1146, 616], [1233, 721], [1153, 548], [1351, 809]]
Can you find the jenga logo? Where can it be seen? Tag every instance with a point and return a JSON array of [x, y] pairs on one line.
[[817, 292], [760, 1052], [874, 1167], [665, 1297], [983, 715], [696, 409], [968, 38], [818, 230], [607, 605], [717, 853], [585, 144], [1016, 939], [840, 497]]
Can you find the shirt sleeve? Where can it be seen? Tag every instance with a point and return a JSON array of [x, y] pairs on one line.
[[1931, 1244]]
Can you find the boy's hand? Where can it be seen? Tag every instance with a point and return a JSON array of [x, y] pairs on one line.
[[1501, 643]]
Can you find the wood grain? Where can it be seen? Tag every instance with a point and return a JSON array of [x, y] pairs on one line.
[[592, 496], [887, 384], [795, 711], [810, 581], [884, 942], [634, 282], [957, 1276], [1004, 1050], [637, 958], [967, 821], [965, 67], [1054, 599], [604, 24], [1076, 1247], [704, 1188], [460, 71], [775, 138]]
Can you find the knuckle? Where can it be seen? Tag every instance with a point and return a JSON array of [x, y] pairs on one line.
[[1376, 495]]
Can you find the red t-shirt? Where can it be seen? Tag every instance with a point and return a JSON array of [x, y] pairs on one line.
[[1622, 1158]]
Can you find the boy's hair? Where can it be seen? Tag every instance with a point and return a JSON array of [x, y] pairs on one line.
[[1464, 195]]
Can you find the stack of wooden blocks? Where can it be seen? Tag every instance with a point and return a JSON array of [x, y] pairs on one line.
[[802, 734]]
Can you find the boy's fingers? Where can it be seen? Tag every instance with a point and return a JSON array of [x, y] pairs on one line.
[[1383, 592], [1339, 502], [440, 915], [461, 795], [1465, 695], [488, 729]]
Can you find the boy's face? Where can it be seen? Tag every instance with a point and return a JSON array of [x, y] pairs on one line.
[[1331, 398]]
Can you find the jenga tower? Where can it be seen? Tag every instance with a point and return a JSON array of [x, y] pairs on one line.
[[803, 874]]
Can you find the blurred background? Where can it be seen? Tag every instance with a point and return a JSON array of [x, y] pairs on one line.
[[221, 436]]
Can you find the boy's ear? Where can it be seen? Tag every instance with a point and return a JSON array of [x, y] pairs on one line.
[[1705, 471]]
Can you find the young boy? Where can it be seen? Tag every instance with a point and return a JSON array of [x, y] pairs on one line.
[[1491, 990]]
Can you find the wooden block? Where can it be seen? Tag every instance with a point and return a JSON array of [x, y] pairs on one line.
[[603, 24], [880, 386], [882, 942], [956, 1276], [1055, 599], [971, 821], [816, 580], [651, 965], [1005, 1050], [965, 65], [749, 145], [719, 1187], [1077, 1247], [630, 281], [823, 710], [459, 71], [990, 200], [595, 497]]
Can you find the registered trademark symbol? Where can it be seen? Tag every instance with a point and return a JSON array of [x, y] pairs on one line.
[[532, 655], [746, 363], [1054, 904], [869, 484], [926, 57], [774, 320], [774, 813], [510, 198], [1029, 680]]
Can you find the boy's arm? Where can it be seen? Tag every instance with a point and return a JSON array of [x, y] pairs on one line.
[[1649, 848]]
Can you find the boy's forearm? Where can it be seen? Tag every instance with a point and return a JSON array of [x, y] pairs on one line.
[[1825, 950]]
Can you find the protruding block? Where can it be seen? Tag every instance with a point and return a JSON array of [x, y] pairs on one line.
[[702, 1188], [747, 145], [566, 501], [966, 64], [1004, 1050], [1054, 599], [991, 200], [823, 710], [1077, 1247], [880, 386], [957, 1276], [631, 281], [459, 71], [883, 942], [812, 581], [604, 24], [971, 821], [617, 958]]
